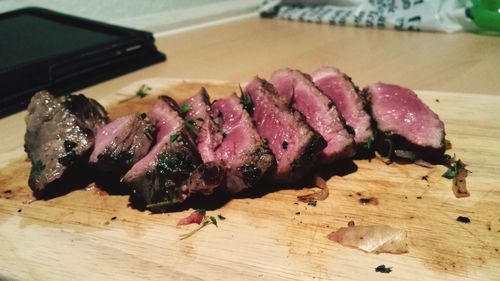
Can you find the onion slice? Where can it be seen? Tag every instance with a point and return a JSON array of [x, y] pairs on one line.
[[316, 196], [372, 239], [194, 217]]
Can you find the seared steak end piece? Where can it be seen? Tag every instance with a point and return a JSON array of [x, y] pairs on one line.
[[346, 97], [57, 136], [405, 122], [242, 151], [321, 114], [294, 144], [122, 143]]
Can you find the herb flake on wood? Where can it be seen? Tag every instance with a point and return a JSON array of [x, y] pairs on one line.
[[207, 220], [383, 269], [312, 203], [143, 91]]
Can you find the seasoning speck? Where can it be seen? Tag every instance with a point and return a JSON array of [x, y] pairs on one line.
[[297, 213], [113, 218], [383, 269], [419, 197], [19, 210], [463, 219]]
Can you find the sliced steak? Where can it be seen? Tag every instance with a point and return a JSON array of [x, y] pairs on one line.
[[294, 144], [346, 97], [321, 114], [245, 157], [122, 143], [405, 122], [58, 135], [209, 137], [172, 170]]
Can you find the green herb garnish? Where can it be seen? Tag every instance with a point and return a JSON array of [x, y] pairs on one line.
[[69, 145], [383, 269], [37, 169], [265, 141], [193, 126], [125, 155], [213, 220], [174, 136], [185, 108], [247, 101], [221, 217], [369, 143], [454, 167], [143, 91], [365, 200], [206, 221], [295, 164], [312, 203]]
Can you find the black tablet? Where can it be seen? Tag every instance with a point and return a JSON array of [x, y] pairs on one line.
[[42, 49]]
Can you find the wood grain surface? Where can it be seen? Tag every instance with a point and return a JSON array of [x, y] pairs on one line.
[[267, 234]]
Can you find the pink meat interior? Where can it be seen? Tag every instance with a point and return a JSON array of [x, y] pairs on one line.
[[107, 134], [341, 91], [399, 110]]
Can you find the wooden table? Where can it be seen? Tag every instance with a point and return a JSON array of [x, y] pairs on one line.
[[459, 63]]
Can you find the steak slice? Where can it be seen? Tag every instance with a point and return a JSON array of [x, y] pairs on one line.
[[320, 112], [405, 122], [122, 143], [209, 137], [294, 144], [346, 97], [58, 135], [172, 170], [245, 157]]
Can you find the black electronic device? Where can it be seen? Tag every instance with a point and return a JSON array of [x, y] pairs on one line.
[[42, 49]]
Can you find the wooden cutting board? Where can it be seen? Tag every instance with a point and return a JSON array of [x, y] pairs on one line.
[[267, 235]]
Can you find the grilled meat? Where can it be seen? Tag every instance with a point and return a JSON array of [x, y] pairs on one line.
[[345, 95], [294, 144], [59, 133]]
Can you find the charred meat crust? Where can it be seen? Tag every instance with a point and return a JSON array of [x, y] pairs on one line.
[[57, 138], [386, 143]]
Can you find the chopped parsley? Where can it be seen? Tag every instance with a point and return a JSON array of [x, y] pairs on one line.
[[295, 164], [365, 200], [185, 108], [193, 126], [463, 219], [265, 141], [369, 143], [143, 91], [312, 203], [454, 168], [206, 221], [247, 101], [175, 166], [383, 269], [174, 136], [69, 145], [37, 169], [125, 155]]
